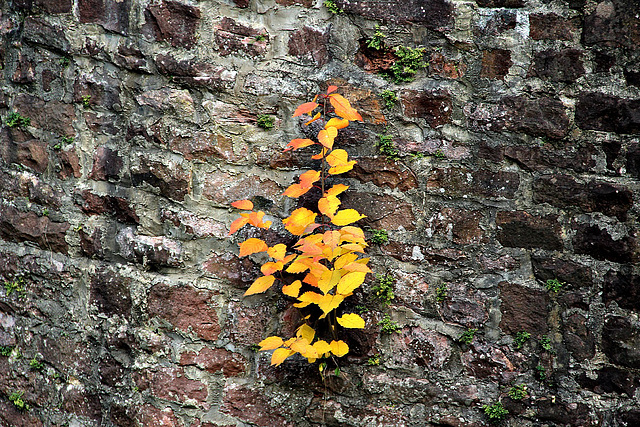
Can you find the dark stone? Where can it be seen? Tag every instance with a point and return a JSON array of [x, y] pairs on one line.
[[31, 153], [519, 229], [101, 123], [233, 38], [150, 251], [173, 181], [538, 117], [106, 165], [433, 14], [483, 182], [194, 73], [624, 288], [105, 93], [241, 3], [110, 293], [570, 272], [131, 58], [54, 116], [123, 416], [495, 63], [576, 157], [24, 72], [613, 23], [621, 341], [91, 246], [632, 77], [603, 62], [110, 15], [173, 22], [608, 113], [578, 337], [551, 27], [560, 66], [435, 108], [383, 173], [239, 272], [633, 161], [500, 3], [596, 196], [309, 43], [611, 150], [383, 212], [116, 206], [42, 33], [305, 3], [629, 418], [523, 309], [19, 226], [53, 7], [597, 243], [562, 414], [611, 380], [499, 22]]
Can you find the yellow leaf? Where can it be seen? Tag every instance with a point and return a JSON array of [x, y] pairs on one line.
[[329, 280], [337, 189], [343, 107], [252, 246], [344, 260], [300, 345], [260, 285], [326, 137], [322, 347], [299, 220], [301, 264], [339, 348], [328, 205], [292, 290], [280, 355], [349, 282], [337, 123], [338, 160], [278, 251], [271, 267], [329, 302], [310, 298], [246, 205], [352, 234], [351, 320], [357, 266], [354, 247], [270, 343], [306, 332], [331, 238], [346, 216]]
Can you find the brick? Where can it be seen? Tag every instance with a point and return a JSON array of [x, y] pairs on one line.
[[383, 173], [621, 341], [107, 165], [559, 66], [233, 38], [216, 360], [523, 309], [190, 309], [539, 117], [118, 207], [624, 288], [19, 226], [578, 338], [496, 63], [520, 229], [110, 15], [595, 196], [110, 292], [550, 26], [310, 44], [598, 243], [433, 14], [435, 108], [608, 113], [173, 22]]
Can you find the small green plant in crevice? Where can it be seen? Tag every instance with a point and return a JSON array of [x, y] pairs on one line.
[[387, 325], [379, 237], [45, 212], [17, 400], [541, 372], [441, 292], [36, 365], [518, 392], [554, 285], [65, 61], [377, 41], [439, 154], [495, 412], [545, 343], [521, 338], [374, 360], [409, 61], [467, 336], [361, 308], [85, 100], [5, 350], [16, 285], [261, 38], [265, 121], [386, 147], [390, 98], [64, 140], [332, 6], [15, 119], [254, 347], [383, 289]]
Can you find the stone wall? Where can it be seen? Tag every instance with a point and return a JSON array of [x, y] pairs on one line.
[[519, 162]]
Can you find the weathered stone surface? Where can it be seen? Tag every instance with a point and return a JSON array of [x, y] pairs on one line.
[[40, 32], [611, 380], [11, 416], [234, 38], [425, 348], [91, 245], [253, 406], [149, 250], [173, 22], [112, 16], [623, 288], [310, 43], [172, 384], [107, 165], [131, 58], [374, 60], [598, 243], [608, 113], [633, 161], [383, 173], [239, 272], [500, 3], [152, 416], [435, 108], [190, 310], [172, 180], [613, 23], [104, 93], [596, 196], [457, 225], [495, 63], [110, 292], [169, 100], [550, 26], [385, 212], [523, 309], [482, 182], [578, 337], [225, 189], [540, 117], [206, 146], [434, 14], [19, 226], [195, 73], [54, 116], [486, 361], [49, 6], [562, 413], [69, 164], [621, 341], [24, 72], [520, 229], [195, 225], [553, 267], [558, 66], [116, 206], [580, 158], [305, 3], [216, 360], [32, 154], [465, 306]]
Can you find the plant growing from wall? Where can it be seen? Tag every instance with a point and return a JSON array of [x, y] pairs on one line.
[[441, 292], [383, 289], [521, 338], [332, 6], [265, 121], [467, 336], [377, 41], [15, 119], [379, 237], [324, 266], [495, 412], [390, 98], [554, 285], [386, 147]]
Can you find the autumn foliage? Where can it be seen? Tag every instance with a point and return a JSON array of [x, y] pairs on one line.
[[324, 266]]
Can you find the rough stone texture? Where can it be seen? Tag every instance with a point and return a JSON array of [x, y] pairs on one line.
[[518, 162]]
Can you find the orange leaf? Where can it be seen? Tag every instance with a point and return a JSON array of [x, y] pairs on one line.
[[337, 123], [305, 108], [278, 251], [331, 89], [270, 343], [280, 355], [326, 137], [246, 205], [346, 217], [271, 267], [352, 234], [339, 348], [255, 219], [292, 290], [331, 238], [260, 285], [337, 189], [306, 182], [343, 107], [299, 220], [351, 320], [339, 163], [298, 143], [251, 246], [316, 117], [328, 205], [350, 282], [320, 155], [238, 224]]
